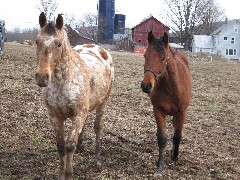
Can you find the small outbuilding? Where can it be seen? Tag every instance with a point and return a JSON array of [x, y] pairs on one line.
[[76, 39], [202, 43]]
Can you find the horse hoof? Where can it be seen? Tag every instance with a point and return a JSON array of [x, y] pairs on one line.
[[174, 158], [80, 149], [98, 166], [158, 173]]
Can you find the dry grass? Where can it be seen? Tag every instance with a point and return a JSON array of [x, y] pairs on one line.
[[210, 148]]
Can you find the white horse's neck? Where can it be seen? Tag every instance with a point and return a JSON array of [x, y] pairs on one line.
[[68, 61], [67, 49]]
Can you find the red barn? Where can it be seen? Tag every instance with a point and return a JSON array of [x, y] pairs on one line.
[[140, 31]]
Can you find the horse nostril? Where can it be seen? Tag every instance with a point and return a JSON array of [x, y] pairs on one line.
[[46, 77], [150, 86], [146, 88], [42, 80]]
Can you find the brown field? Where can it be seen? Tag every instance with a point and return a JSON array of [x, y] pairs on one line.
[[210, 147]]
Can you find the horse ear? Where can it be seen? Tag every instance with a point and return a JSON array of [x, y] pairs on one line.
[[150, 37], [59, 22], [42, 20], [165, 39]]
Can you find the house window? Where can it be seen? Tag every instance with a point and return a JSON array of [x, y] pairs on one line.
[[231, 52], [235, 30], [225, 38], [232, 40]]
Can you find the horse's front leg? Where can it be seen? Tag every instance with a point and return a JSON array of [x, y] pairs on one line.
[[71, 143], [58, 125], [161, 137], [178, 122]]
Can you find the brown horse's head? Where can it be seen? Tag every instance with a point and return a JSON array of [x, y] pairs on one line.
[[156, 61], [49, 48]]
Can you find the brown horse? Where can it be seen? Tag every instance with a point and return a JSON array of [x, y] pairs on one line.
[[75, 82], [167, 80]]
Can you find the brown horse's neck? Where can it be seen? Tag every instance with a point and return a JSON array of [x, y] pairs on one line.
[[171, 74]]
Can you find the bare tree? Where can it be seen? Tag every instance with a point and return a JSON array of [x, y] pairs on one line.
[[87, 26], [48, 7], [70, 20], [21, 35], [211, 16], [185, 17]]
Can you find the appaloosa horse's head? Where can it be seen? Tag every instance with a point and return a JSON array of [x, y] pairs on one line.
[[49, 48], [156, 60]]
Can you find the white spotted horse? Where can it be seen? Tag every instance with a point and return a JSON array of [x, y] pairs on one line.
[[74, 82]]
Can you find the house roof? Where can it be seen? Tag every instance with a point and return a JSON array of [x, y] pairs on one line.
[[147, 18], [203, 41], [224, 26]]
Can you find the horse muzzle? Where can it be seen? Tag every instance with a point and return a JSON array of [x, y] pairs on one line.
[[42, 80], [146, 87]]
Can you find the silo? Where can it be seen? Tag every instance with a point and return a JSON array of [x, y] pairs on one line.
[[119, 24], [106, 13]]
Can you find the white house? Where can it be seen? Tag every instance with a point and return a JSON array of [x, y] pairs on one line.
[[225, 41], [202, 43]]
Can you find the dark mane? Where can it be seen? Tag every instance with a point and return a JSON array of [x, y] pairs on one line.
[[159, 46], [50, 28]]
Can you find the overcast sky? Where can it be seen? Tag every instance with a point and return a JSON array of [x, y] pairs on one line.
[[24, 13]]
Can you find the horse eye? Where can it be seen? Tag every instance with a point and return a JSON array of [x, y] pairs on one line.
[[59, 45]]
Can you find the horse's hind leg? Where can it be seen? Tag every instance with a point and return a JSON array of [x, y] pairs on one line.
[[178, 122], [80, 146], [98, 124], [161, 137]]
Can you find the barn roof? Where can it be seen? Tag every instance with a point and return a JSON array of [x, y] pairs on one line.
[[147, 18], [203, 41]]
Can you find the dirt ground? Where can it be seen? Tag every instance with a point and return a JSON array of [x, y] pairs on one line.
[[210, 147]]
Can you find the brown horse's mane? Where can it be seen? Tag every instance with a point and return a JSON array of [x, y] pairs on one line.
[[173, 51], [159, 46], [50, 28]]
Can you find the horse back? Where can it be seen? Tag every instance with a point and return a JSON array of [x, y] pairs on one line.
[[100, 70]]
